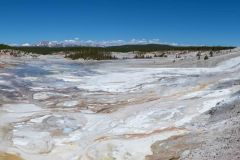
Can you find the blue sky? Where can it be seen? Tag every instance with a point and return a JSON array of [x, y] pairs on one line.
[[198, 22]]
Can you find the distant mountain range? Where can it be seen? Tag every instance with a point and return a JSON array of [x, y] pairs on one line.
[[91, 43]]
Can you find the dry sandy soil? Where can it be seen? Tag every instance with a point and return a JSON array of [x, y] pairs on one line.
[[54, 108]]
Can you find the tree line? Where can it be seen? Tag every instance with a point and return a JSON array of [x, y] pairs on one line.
[[100, 53]]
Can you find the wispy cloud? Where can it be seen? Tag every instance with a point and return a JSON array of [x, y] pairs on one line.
[[26, 44]]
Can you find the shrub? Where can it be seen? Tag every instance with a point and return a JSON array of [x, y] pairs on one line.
[[211, 54], [206, 57], [198, 55]]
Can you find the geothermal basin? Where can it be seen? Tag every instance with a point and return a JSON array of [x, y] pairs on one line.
[[53, 108]]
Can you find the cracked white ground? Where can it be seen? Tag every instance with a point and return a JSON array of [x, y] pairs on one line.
[[53, 108]]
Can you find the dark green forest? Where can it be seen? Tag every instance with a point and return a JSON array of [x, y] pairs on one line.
[[100, 53], [2, 46], [160, 47]]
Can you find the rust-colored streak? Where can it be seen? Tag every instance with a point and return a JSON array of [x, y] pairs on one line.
[[195, 89], [200, 87], [139, 135], [103, 138], [143, 135], [8, 156]]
